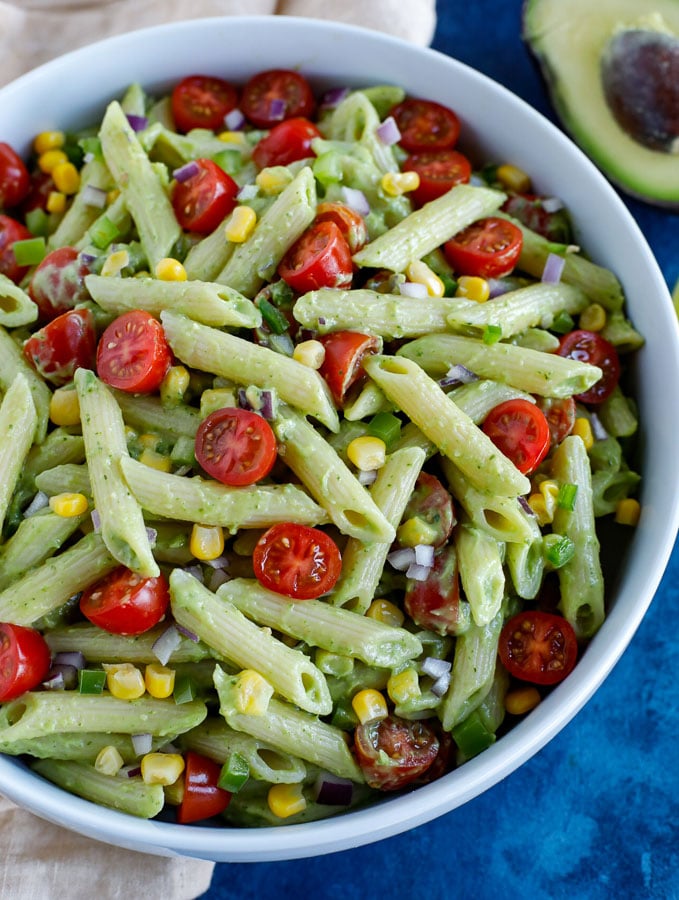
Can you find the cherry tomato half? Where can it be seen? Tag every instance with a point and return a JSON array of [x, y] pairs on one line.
[[10, 232], [202, 101], [425, 125], [203, 798], [538, 646], [342, 367], [489, 248], [126, 603], [435, 603], [350, 223], [235, 446], [15, 182], [65, 344], [410, 749], [431, 502], [24, 660], [133, 354], [560, 414], [319, 258], [203, 200], [439, 171], [277, 94], [42, 185], [286, 143], [58, 284], [296, 560], [592, 348], [519, 430]]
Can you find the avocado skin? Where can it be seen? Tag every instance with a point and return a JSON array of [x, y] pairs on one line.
[[571, 42]]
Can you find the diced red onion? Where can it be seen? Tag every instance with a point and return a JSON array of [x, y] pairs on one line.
[[40, 501], [67, 675], [497, 287], [401, 559], [435, 667], [243, 401], [137, 123], [187, 634], [458, 374], [188, 170], [72, 658], [441, 685], [96, 520], [266, 410], [165, 645], [234, 120], [130, 771], [277, 109], [182, 470], [356, 200], [418, 573], [86, 259], [248, 192], [196, 572], [552, 204], [424, 555], [598, 430], [321, 320], [334, 97], [142, 743], [413, 289], [94, 196], [367, 478], [219, 562], [526, 507], [331, 790], [477, 180], [218, 578], [54, 681], [551, 274], [152, 535], [388, 132]]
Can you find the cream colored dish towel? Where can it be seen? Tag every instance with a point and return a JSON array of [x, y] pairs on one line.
[[40, 860]]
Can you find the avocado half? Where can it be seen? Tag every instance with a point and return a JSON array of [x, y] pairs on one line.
[[612, 72]]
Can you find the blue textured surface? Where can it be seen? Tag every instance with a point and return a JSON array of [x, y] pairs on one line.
[[593, 815]]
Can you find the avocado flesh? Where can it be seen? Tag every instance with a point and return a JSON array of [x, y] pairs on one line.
[[572, 41]]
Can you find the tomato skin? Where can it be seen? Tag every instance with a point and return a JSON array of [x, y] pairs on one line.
[[42, 184], [539, 647], [439, 171], [201, 202], [519, 429], [126, 603], [286, 143], [25, 660], [202, 101], [133, 354], [15, 182], [528, 209], [57, 284], [350, 223], [319, 258], [489, 248], [235, 446], [11, 231], [273, 85], [203, 798], [431, 502], [65, 344], [342, 367], [411, 748], [591, 347], [426, 125], [560, 414], [297, 561], [435, 603]]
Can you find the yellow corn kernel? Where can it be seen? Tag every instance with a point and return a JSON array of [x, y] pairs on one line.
[[286, 799], [369, 705], [628, 511], [232, 137], [109, 761], [253, 693], [386, 612], [217, 398], [115, 262], [543, 503], [593, 317], [159, 680], [174, 793], [155, 460], [51, 158], [583, 429], [161, 768], [367, 453], [513, 178], [207, 541], [149, 440], [396, 183], [420, 273], [124, 681], [64, 407], [170, 269], [240, 225], [415, 531], [66, 178], [273, 180], [174, 385], [68, 505], [522, 700], [472, 287], [404, 686], [48, 140], [56, 202], [310, 353], [112, 196], [539, 507]]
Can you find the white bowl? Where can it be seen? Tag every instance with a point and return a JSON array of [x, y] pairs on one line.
[[72, 91]]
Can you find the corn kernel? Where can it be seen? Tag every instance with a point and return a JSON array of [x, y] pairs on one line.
[[112, 196], [286, 799], [51, 158], [367, 453], [155, 460], [124, 681], [170, 269], [159, 680], [513, 178], [404, 686], [253, 693], [369, 705], [66, 178], [273, 180], [522, 700], [583, 429], [593, 317], [232, 137], [420, 273], [207, 541], [415, 531], [174, 385], [68, 505], [149, 440], [396, 183], [310, 353], [161, 768], [539, 507], [115, 262], [56, 202], [216, 398], [48, 140], [472, 287], [240, 225], [109, 761], [628, 511], [386, 612], [64, 407]]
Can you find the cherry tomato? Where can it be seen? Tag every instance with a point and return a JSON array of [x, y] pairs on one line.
[[489, 248], [393, 752], [425, 125], [203, 200], [286, 143], [24, 660], [519, 430], [538, 646], [274, 95], [560, 415], [65, 344], [529, 210], [298, 561], [126, 603], [350, 223], [235, 446], [434, 604], [11, 231], [342, 367], [203, 798], [15, 182], [202, 101], [439, 171], [57, 284], [431, 502], [591, 347], [319, 258], [42, 185], [133, 354]]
